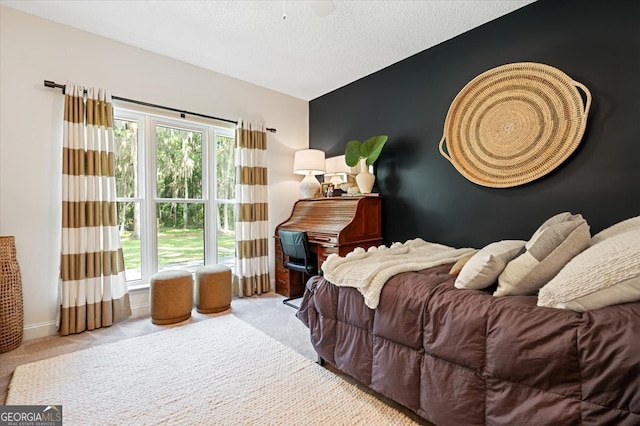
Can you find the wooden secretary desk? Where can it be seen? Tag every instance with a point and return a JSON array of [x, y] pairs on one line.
[[334, 225]]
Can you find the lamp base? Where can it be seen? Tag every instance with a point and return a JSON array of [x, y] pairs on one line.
[[310, 187], [336, 181]]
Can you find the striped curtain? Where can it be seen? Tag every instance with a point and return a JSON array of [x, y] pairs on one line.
[[252, 241], [93, 287]]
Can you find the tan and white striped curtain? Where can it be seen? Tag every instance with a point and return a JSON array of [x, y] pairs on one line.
[[93, 287], [252, 240]]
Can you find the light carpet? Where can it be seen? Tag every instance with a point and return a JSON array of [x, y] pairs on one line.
[[220, 371]]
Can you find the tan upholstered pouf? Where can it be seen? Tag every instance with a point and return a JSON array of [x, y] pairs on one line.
[[171, 297], [213, 289]]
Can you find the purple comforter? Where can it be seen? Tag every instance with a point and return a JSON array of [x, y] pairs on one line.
[[464, 357]]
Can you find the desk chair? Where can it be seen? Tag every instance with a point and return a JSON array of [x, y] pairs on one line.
[[295, 246]]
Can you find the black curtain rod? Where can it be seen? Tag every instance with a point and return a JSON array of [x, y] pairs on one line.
[[183, 113]]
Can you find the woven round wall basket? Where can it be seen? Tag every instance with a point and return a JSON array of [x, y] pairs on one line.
[[514, 124]]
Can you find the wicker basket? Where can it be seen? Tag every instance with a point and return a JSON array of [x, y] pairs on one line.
[[11, 310], [514, 124]]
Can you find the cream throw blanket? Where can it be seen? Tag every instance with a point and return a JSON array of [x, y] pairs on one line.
[[369, 270]]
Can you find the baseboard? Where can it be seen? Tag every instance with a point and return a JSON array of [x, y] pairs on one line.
[[140, 311], [139, 300], [38, 330]]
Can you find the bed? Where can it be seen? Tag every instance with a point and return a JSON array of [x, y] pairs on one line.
[[460, 344]]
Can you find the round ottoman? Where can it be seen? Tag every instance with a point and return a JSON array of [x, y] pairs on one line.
[[171, 297], [213, 289]]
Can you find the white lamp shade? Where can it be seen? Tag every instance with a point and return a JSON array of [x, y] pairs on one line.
[[308, 161], [336, 165]]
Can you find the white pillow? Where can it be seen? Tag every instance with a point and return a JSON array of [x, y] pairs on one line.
[[616, 229], [605, 274], [553, 244], [483, 268]]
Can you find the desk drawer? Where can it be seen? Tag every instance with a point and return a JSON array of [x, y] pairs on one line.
[[324, 252], [322, 238]]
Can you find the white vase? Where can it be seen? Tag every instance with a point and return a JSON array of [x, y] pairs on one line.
[[365, 179]]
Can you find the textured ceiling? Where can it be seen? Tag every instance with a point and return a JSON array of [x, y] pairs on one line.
[[305, 55]]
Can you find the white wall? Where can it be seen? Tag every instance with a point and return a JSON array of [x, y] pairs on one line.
[[33, 50]]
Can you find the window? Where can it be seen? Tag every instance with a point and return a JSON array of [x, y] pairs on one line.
[[175, 187]]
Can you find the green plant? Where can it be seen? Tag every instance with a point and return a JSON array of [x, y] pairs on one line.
[[369, 149]]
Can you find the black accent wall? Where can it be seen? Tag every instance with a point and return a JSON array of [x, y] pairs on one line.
[[597, 43]]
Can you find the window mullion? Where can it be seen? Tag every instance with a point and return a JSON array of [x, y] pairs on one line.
[[151, 231], [211, 210]]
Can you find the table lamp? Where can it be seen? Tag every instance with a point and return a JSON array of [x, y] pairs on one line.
[[309, 162], [335, 168]]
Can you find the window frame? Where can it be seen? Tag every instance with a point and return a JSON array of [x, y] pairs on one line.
[[147, 194]]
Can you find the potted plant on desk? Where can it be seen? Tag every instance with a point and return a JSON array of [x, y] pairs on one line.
[[365, 153]]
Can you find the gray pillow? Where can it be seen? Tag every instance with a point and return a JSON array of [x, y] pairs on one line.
[[554, 243]]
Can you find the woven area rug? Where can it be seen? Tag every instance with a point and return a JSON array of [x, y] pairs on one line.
[[221, 371]]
